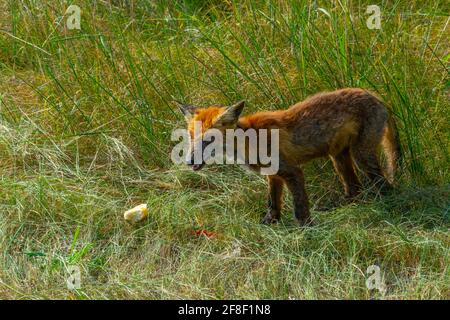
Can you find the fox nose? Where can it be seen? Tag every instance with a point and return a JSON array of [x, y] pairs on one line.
[[190, 161]]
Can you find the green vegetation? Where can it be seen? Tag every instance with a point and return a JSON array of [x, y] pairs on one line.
[[85, 123]]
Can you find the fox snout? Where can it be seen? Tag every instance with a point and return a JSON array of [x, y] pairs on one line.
[[195, 166]]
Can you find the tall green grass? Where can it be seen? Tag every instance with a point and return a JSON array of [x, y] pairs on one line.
[[271, 54]]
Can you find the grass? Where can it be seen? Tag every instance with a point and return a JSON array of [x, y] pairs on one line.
[[85, 123]]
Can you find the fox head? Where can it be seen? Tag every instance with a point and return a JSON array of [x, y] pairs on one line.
[[213, 117]]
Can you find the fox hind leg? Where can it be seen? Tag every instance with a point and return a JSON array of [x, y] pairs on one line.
[[365, 149], [343, 165], [368, 161]]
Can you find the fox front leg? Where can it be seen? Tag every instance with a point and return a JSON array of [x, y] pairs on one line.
[[293, 177], [274, 200]]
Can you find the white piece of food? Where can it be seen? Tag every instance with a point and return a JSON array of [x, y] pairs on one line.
[[136, 214]]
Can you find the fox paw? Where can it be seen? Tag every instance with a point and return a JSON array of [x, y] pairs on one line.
[[305, 222], [270, 218]]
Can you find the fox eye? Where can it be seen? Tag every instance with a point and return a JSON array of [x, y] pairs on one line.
[[207, 143]]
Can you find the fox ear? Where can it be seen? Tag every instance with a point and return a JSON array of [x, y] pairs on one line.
[[187, 109], [232, 113]]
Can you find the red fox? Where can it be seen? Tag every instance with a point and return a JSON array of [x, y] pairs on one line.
[[348, 125]]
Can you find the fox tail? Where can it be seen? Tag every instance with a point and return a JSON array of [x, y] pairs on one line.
[[392, 148]]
